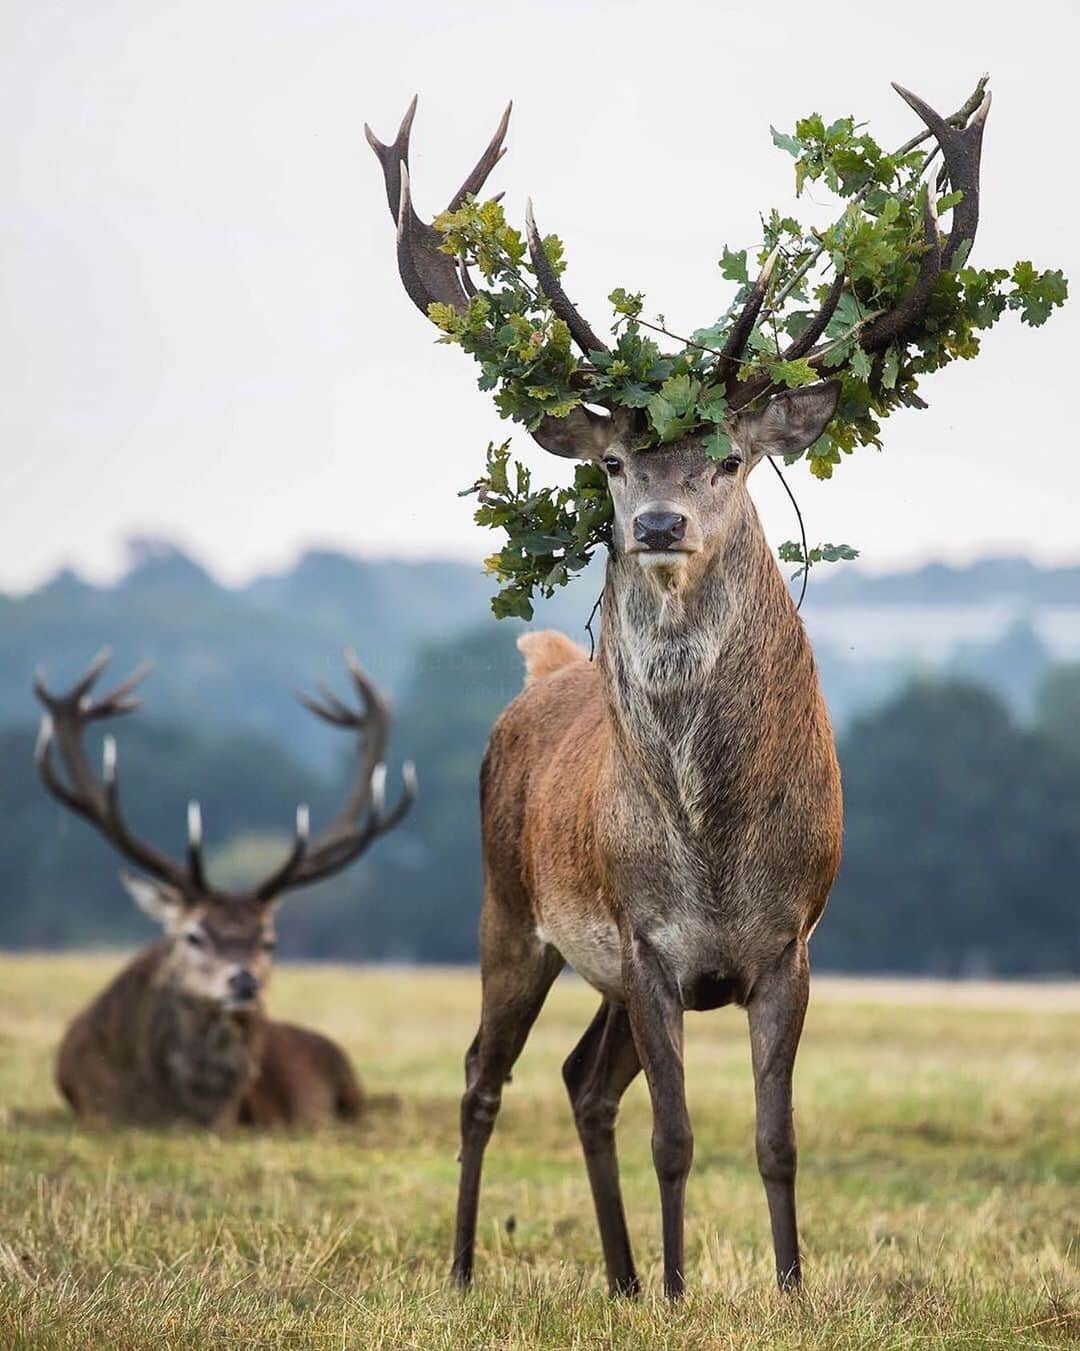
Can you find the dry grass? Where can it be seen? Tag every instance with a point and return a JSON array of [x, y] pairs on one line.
[[940, 1161]]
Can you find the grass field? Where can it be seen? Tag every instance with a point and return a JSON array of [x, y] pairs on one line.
[[939, 1184]]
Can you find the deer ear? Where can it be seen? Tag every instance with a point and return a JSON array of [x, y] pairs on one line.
[[581, 435], [789, 422], [157, 899]]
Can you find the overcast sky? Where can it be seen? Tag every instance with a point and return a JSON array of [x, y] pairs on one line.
[[202, 332]]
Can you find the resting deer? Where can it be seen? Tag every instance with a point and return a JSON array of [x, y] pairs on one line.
[[667, 818], [180, 1035]]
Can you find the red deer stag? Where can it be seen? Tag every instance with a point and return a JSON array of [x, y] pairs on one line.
[[668, 817], [180, 1035]]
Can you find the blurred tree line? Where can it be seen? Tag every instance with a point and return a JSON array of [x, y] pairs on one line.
[[962, 840]]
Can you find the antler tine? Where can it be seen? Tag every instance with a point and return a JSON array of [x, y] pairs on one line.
[[410, 786], [84, 793], [732, 350], [279, 879], [427, 273], [549, 283], [370, 698], [394, 155], [83, 687], [117, 700], [320, 710], [484, 165], [196, 870], [881, 331], [820, 322], [961, 149]]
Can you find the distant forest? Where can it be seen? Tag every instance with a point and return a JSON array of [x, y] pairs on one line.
[[962, 837]]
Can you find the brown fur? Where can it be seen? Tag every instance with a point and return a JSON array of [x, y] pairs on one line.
[[667, 819], [150, 1052], [546, 651], [180, 1035]]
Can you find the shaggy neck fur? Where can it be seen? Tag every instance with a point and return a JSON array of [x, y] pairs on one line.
[[200, 1055], [711, 685]]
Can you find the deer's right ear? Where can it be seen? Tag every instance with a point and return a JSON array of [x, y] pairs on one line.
[[581, 435], [157, 899]]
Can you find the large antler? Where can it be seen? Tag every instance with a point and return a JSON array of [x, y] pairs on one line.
[[363, 817], [429, 274], [961, 149], [550, 285], [96, 799]]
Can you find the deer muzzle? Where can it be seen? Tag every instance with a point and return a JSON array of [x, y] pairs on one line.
[[659, 532]]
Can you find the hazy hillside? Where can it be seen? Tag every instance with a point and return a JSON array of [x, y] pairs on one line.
[[227, 657], [961, 843]]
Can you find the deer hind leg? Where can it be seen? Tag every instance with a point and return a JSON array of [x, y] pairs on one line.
[[514, 992], [776, 1009], [598, 1072], [656, 1017]]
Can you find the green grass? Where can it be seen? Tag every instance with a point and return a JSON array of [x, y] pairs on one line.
[[940, 1163]]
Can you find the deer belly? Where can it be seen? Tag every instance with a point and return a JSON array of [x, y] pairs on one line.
[[590, 943]]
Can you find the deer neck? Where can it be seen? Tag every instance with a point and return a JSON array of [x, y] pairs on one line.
[[200, 1054], [698, 679]]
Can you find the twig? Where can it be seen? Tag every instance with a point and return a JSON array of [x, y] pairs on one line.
[[802, 532], [716, 352], [588, 624]]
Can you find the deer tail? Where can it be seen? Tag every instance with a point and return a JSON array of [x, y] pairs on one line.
[[547, 651]]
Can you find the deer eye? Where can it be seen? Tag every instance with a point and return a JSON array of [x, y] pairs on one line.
[[269, 944], [730, 464], [195, 939], [612, 464]]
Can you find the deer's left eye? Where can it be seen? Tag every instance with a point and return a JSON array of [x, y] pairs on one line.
[[194, 939], [269, 944], [730, 464]]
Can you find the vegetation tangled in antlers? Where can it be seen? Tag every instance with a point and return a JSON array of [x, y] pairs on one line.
[[877, 300]]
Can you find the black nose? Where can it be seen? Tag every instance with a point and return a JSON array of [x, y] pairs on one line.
[[659, 529], [243, 985]]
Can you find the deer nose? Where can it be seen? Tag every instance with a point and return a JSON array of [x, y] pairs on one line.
[[243, 985], [659, 529]]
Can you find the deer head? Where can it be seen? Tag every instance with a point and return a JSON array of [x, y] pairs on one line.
[[673, 504], [220, 942]]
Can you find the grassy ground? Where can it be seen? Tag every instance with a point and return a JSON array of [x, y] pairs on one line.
[[940, 1162]]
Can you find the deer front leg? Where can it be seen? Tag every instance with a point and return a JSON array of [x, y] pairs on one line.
[[777, 1008], [656, 1018]]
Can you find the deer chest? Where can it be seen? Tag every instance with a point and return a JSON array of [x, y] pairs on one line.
[[201, 1060]]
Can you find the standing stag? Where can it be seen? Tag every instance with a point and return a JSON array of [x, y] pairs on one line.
[[180, 1035], [668, 817]]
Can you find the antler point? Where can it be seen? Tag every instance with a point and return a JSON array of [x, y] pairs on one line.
[[980, 114], [44, 736], [378, 789]]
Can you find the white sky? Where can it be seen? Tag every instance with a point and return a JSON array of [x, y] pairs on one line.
[[202, 332]]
